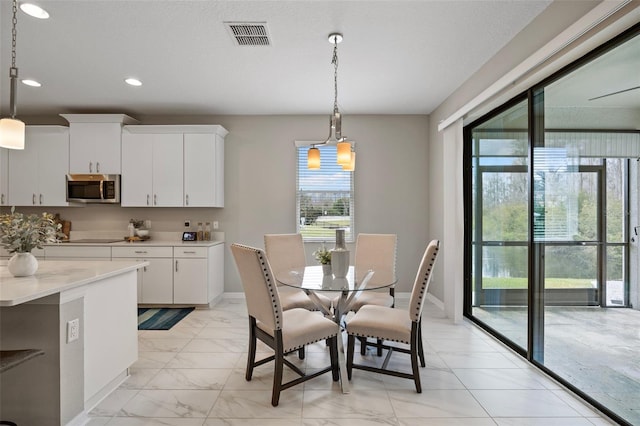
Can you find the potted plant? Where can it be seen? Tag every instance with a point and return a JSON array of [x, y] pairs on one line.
[[21, 233], [323, 256]]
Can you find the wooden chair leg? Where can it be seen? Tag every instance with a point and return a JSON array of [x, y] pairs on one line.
[[251, 357], [415, 337], [363, 345], [278, 370], [301, 353], [351, 342], [420, 345], [379, 351], [333, 352]]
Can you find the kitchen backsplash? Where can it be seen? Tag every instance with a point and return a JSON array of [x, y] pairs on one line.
[[107, 218]]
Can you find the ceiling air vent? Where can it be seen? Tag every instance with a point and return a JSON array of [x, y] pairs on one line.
[[249, 33]]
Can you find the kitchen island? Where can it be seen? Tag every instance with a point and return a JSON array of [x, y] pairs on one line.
[[80, 365]]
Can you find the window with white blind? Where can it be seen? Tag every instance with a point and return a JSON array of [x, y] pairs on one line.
[[324, 197]]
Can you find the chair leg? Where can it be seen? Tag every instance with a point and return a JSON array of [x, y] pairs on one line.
[[351, 342], [301, 353], [278, 370], [420, 345], [333, 352], [251, 357], [415, 337], [363, 345], [379, 352]]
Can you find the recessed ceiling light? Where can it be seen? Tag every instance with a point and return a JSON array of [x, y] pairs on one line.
[[34, 10], [133, 81], [31, 83]]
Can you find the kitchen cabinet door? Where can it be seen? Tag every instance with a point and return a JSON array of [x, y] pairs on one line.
[[203, 170], [4, 176], [95, 148], [37, 174], [190, 281], [137, 170], [167, 170], [157, 281]]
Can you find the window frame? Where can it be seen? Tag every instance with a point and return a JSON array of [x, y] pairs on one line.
[[328, 166]]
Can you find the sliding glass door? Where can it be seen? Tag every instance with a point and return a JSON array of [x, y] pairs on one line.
[[552, 214]]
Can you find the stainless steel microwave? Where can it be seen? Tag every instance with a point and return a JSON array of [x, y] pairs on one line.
[[93, 188]]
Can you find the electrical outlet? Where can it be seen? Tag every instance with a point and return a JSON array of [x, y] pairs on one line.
[[73, 330], [187, 224], [215, 224]]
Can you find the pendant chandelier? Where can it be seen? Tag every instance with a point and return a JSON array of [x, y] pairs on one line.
[[345, 155], [11, 129]]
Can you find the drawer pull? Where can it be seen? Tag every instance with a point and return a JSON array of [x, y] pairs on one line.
[[141, 251], [189, 252]]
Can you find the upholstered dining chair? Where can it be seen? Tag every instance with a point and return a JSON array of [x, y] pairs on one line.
[[286, 253], [283, 331], [395, 325], [376, 252]]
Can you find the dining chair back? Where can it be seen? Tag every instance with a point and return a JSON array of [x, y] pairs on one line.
[[286, 253], [395, 325], [283, 331]]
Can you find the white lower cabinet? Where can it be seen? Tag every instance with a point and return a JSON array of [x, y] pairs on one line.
[[155, 282]]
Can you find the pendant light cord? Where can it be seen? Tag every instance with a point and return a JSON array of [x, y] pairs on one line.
[[13, 72], [334, 61]]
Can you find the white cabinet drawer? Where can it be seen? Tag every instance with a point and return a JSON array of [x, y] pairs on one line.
[[4, 254], [95, 252], [141, 252], [190, 252]]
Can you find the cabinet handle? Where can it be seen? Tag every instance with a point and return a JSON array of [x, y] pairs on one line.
[[144, 268], [90, 167], [187, 199], [2, 199], [97, 167], [41, 199], [155, 199], [140, 251], [33, 199], [189, 252], [176, 266], [147, 199]]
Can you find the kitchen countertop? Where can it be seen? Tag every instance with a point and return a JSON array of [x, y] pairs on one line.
[[56, 276], [151, 242]]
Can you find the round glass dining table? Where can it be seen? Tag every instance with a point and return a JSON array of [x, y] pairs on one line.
[[312, 280]]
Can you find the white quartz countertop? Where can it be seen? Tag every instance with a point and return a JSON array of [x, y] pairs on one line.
[[148, 243], [56, 276]]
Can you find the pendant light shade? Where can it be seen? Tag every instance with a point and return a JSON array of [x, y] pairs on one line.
[[12, 133], [313, 158], [12, 130], [352, 163], [344, 153]]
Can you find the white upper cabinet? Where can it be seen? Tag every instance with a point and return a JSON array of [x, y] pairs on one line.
[[203, 170], [4, 176], [37, 174], [163, 162], [95, 142], [152, 170]]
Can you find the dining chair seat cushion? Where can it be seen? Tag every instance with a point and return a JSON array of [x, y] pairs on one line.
[[303, 327], [381, 322], [291, 297], [373, 298]]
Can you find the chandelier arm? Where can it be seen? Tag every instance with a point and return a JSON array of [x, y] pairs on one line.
[[13, 71]]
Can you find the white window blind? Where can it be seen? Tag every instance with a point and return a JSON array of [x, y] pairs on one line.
[[324, 198]]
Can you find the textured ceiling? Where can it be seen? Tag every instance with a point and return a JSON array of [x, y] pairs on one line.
[[397, 57]]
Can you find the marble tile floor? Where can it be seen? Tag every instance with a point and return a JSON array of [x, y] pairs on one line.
[[193, 375]]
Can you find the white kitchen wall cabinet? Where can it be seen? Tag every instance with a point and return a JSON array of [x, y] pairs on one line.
[[37, 174], [155, 282], [4, 176], [200, 165], [203, 170], [95, 142], [152, 170]]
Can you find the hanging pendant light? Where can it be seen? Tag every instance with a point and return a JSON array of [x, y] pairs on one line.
[[344, 152], [313, 158], [12, 130]]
